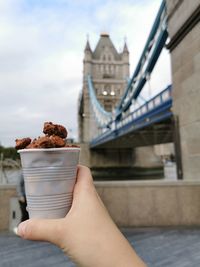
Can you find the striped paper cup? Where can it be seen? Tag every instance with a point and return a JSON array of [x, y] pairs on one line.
[[50, 176]]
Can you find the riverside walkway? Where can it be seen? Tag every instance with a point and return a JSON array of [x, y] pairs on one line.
[[159, 247]]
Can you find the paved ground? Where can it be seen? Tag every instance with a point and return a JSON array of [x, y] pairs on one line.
[[158, 248]]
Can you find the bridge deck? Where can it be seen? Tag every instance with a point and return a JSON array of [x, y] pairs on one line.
[[158, 247]]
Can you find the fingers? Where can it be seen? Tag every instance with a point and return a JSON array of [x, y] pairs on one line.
[[41, 229], [84, 186], [84, 178], [84, 174]]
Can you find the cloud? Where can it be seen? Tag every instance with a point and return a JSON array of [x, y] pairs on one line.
[[41, 53]]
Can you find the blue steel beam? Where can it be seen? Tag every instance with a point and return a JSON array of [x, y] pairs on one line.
[[149, 49]]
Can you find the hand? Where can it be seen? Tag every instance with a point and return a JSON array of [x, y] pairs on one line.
[[87, 234]]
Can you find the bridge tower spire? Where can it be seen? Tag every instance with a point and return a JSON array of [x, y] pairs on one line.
[[87, 59], [125, 56]]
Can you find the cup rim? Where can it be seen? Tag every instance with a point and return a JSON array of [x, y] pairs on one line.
[[49, 149]]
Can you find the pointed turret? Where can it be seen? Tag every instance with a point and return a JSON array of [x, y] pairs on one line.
[[105, 45], [87, 58], [88, 52], [87, 47], [125, 50], [125, 56]]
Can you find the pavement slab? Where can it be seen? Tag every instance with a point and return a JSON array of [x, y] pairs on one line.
[[158, 247]]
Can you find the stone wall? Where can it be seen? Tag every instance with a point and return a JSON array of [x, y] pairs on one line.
[[6, 192], [152, 203], [134, 203], [185, 60]]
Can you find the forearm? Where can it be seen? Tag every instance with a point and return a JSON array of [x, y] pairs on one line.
[[107, 247], [125, 254], [118, 252]]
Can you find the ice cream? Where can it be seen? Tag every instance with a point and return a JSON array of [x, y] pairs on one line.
[[55, 136]]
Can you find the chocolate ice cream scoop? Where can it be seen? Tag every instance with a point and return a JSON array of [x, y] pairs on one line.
[[55, 135], [54, 129], [22, 143]]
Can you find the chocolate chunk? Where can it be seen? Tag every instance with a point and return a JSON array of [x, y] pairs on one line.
[[57, 141], [33, 144], [54, 129], [44, 142], [22, 143]]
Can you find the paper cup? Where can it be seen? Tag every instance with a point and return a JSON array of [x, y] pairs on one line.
[[50, 176]]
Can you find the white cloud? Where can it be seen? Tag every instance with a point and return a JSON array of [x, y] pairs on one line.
[[41, 53]]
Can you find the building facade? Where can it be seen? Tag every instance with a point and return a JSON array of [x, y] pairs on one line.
[[109, 70]]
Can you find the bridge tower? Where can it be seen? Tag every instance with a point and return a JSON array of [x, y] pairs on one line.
[[109, 70]]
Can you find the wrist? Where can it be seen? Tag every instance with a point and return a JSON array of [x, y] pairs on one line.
[[114, 250], [122, 253]]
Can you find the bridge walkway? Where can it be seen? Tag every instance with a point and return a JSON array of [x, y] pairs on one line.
[[159, 247]]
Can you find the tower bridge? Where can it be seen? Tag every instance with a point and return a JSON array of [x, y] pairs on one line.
[[112, 130]]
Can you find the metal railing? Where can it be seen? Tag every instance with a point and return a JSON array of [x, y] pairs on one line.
[[144, 115], [151, 52]]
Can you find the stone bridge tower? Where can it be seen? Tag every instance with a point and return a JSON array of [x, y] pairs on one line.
[[109, 71]]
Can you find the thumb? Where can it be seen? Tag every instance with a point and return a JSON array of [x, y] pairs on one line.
[[41, 229]]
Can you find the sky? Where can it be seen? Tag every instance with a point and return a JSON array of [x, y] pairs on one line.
[[41, 57]]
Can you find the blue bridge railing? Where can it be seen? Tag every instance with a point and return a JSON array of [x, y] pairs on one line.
[[156, 109]]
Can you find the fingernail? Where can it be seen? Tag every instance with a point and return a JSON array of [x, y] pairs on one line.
[[21, 229]]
